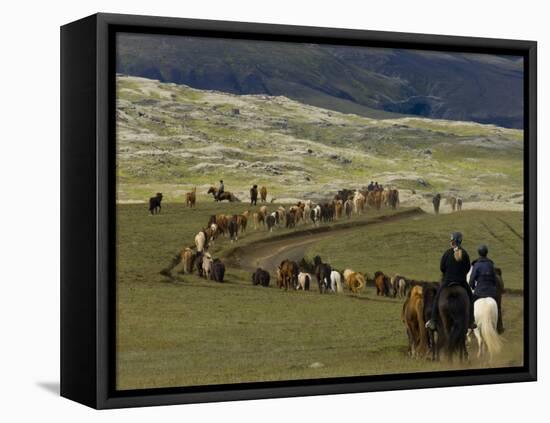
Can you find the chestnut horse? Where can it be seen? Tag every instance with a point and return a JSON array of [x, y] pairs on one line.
[[263, 194], [191, 198]]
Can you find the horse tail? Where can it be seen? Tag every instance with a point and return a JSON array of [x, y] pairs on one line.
[[488, 316], [306, 283], [339, 286], [361, 279], [458, 317]]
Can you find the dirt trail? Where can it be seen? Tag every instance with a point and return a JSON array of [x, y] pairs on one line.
[[268, 253]]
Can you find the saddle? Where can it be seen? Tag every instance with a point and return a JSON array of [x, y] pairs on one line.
[[453, 284]]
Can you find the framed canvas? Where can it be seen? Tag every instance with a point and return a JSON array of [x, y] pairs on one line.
[[257, 211]]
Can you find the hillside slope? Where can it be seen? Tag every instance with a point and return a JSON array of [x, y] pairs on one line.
[[172, 137], [372, 82]]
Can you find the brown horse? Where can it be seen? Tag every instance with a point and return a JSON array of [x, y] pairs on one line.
[[186, 256], [263, 194], [242, 220], [355, 281], [375, 199], [226, 195], [222, 221], [393, 198], [191, 198], [287, 275], [412, 316], [382, 283]]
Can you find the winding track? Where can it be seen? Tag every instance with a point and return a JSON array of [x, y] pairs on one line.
[[268, 253]]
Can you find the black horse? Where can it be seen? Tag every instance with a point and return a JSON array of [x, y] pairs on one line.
[[218, 270], [454, 311], [260, 277], [344, 194], [322, 272], [436, 202], [429, 290], [154, 203]]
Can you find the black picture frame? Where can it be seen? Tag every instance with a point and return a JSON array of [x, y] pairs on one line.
[[88, 223]]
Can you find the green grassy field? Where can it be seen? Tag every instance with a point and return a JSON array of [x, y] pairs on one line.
[[188, 331], [413, 247]]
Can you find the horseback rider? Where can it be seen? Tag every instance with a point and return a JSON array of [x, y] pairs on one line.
[[221, 189], [455, 265], [253, 195], [483, 280], [370, 187]]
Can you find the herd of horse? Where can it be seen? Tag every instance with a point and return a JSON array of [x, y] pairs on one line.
[[452, 200], [452, 330], [345, 200], [418, 296]]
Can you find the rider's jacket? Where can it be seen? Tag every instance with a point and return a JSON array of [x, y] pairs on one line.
[[453, 270], [483, 279]]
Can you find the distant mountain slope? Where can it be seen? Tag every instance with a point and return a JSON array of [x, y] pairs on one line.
[[372, 82], [172, 137]]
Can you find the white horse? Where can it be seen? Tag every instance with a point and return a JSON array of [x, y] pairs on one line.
[[401, 287], [207, 266], [307, 213], [200, 241], [336, 282], [358, 202], [316, 215], [486, 317], [215, 233], [304, 281]]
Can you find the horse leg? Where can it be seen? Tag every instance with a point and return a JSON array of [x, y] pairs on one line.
[[410, 338], [500, 326], [433, 346]]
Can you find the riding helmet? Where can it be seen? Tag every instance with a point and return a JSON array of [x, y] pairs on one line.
[[483, 250], [456, 237]]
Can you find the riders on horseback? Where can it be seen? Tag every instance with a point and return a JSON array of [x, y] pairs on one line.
[[221, 189], [483, 278], [455, 265]]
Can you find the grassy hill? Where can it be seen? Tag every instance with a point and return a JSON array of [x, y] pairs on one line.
[[172, 137]]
